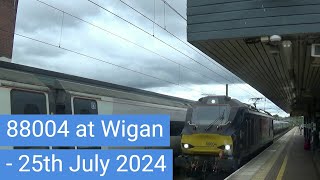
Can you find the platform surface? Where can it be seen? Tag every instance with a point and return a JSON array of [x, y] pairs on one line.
[[284, 159]]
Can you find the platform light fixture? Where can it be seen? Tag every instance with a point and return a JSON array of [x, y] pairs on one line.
[[264, 39], [275, 38]]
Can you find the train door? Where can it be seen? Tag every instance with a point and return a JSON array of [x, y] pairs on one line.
[[272, 129], [252, 132], [247, 133], [82, 105], [244, 135]]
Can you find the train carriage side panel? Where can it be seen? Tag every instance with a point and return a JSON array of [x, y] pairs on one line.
[[105, 105], [5, 106]]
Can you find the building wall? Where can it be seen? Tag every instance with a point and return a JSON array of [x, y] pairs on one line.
[[224, 19], [8, 11]]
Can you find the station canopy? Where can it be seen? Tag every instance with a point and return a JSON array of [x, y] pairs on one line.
[[271, 45]]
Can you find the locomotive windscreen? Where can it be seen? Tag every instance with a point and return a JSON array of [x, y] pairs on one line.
[[211, 115]]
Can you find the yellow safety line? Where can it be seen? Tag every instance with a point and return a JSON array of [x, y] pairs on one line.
[[263, 172], [283, 167]]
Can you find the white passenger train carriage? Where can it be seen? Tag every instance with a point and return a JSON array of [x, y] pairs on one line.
[[27, 90]]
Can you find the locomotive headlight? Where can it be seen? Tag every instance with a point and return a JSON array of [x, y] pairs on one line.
[[187, 146], [227, 147]]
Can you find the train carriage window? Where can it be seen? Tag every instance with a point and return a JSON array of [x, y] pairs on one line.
[[25, 102], [85, 106]]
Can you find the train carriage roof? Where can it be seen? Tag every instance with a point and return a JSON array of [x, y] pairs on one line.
[[44, 78]]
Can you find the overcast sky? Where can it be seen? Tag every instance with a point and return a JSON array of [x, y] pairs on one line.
[[116, 41]]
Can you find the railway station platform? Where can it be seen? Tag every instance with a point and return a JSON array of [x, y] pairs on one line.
[[284, 159]]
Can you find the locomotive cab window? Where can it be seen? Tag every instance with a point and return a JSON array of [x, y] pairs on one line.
[[211, 115], [85, 106], [25, 102]]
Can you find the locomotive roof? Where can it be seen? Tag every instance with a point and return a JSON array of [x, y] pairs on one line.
[[216, 100], [221, 100]]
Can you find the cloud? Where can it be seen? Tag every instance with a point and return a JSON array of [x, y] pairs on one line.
[[34, 15], [105, 47], [101, 43], [240, 92]]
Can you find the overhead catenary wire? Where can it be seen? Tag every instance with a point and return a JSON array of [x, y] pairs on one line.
[[137, 28], [152, 34], [97, 59], [154, 14], [164, 17], [127, 40], [133, 42], [165, 29], [196, 50], [169, 45], [61, 28], [165, 2]]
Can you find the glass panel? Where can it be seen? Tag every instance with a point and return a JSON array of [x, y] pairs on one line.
[[213, 115], [25, 102], [85, 106]]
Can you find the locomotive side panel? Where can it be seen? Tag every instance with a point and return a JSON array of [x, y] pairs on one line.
[[255, 132]]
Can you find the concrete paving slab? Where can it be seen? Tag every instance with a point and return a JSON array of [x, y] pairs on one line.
[[285, 159]]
